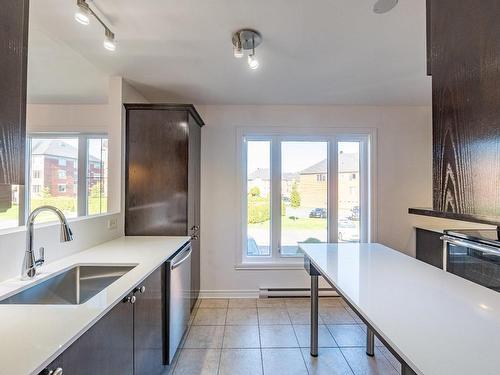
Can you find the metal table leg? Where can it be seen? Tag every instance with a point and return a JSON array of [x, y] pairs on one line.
[[370, 342], [314, 315]]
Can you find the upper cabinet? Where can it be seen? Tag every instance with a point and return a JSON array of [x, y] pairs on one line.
[[465, 56], [13, 67]]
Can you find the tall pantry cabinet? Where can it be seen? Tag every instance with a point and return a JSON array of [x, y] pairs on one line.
[[162, 178]]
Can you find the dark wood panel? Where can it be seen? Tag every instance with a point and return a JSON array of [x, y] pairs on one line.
[[429, 247], [156, 173], [428, 36], [13, 66], [194, 205], [466, 106], [149, 326], [105, 349]]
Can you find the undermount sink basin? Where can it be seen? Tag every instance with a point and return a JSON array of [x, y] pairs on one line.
[[72, 287]]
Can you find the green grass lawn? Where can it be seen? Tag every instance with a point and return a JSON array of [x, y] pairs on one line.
[[11, 214], [299, 224]]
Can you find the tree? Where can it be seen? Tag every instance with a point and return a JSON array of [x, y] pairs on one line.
[[295, 196], [255, 192]]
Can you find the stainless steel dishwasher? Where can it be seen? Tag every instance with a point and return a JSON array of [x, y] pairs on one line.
[[178, 298]]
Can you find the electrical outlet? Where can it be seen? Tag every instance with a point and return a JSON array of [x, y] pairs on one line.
[[112, 223]]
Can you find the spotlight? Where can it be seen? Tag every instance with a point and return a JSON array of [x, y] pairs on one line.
[[82, 13], [109, 40]]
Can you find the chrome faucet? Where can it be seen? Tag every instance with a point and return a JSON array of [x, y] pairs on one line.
[[30, 264]]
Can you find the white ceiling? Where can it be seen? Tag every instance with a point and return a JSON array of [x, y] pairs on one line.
[[314, 52]]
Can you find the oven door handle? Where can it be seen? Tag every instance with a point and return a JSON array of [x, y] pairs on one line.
[[471, 245]]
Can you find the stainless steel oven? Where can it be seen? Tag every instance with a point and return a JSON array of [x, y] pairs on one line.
[[473, 255]]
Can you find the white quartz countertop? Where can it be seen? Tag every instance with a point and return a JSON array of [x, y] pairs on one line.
[[33, 335], [437, 322]]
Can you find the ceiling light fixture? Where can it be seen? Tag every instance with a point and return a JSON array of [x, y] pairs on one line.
[[109, 40], [82, 16], [247, 40], [83, 12], [384, 6]]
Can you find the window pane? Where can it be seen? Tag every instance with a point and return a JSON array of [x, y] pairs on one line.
[[9, 206], [304, 194], [258, 198], [54, 175], [97, 176], [348, 191]]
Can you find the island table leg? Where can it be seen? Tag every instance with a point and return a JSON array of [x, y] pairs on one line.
[[370, 342], [314, 315]]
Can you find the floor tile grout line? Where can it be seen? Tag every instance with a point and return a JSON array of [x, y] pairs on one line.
[[223, 333], [260, 341], [346, 361]]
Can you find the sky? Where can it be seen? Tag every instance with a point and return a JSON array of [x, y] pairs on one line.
[[295, 156]]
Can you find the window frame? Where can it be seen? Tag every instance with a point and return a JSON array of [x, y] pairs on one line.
[[276, 135], [82, 193]]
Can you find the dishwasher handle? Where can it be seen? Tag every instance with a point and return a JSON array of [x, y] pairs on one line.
[[184, 258]]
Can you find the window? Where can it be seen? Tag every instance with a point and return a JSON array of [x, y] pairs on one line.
[[97, 178], [65, 174], [301, 188]]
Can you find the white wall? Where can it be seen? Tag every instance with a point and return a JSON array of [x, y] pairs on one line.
[[404, 164]]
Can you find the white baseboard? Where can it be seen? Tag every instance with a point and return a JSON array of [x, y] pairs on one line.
[[256, 294], [229, 293]]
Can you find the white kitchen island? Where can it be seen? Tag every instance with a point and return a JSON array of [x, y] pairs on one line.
[[435, 322]]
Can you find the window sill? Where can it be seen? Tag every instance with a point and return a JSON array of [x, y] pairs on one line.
[[255, 266]]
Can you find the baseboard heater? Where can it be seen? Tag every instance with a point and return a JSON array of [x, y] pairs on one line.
[[294, 292]]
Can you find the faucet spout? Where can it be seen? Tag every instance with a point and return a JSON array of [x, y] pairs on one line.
[[30, 263]]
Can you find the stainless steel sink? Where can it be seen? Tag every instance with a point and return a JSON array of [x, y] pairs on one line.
[[72, 287]]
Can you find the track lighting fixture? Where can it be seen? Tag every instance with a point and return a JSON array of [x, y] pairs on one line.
[[247, 40], [83, 14]]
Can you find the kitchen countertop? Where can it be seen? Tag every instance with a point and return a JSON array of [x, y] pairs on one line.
[[34, 335], [437, 322]]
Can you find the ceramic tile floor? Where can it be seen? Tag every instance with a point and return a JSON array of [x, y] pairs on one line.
[[271, 336]]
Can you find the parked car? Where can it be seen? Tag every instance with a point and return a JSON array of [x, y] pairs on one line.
[[354, 213], [319, 213], [348, 231]]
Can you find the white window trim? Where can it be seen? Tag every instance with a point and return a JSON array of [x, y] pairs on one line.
[[368, 198]]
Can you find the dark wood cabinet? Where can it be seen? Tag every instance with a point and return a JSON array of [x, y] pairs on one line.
[[162, 192], [129, 339], [13, 66], [194, 204], [429, 247], [106, 348], [149, 325], [465, 61]]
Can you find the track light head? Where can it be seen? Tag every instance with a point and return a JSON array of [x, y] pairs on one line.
[[83, 13], [109, 40]]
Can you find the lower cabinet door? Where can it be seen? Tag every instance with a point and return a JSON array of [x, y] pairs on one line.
[[149, 320], [107, 348]]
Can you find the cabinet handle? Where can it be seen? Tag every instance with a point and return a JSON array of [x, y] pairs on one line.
[[130, 299], [140, 289]]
